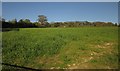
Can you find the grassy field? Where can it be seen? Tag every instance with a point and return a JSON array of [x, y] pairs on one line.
[[62, 48]]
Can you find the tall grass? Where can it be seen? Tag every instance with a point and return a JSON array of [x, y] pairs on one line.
[[58, 47]]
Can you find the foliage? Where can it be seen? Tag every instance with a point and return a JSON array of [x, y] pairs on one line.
[[42, 23], [42, 20], [14, 21]]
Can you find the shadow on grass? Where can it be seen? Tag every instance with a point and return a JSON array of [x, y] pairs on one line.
[[21, 68], [16, 67], [9, 29]]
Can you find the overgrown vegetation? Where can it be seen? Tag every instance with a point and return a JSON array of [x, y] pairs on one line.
[[42, 23], [62, 48]]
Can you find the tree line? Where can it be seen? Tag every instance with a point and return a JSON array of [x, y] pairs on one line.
[[42, 23]]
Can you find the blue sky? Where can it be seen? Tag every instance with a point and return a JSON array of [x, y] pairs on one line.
[[0, 8], [60, 0], [62, 11]]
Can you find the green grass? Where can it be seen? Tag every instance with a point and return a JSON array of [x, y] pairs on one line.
[[85, 47]]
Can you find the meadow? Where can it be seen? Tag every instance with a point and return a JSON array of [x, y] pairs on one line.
[[62, 48]]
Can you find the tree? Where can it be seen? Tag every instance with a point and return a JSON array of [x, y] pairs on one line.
[[21, 21], [109, 23], [0, 21], [42, 20], [118, 24], [27, 21], [3, 20], [14, 21], [115, 24]]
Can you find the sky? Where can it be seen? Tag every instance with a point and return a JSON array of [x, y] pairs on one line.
[[62, 11], [0, 8], [60, 0]]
